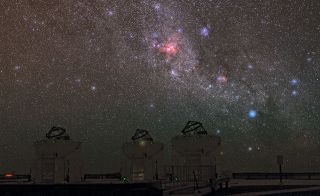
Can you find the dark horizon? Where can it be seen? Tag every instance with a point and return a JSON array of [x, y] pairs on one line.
[[248, 70]]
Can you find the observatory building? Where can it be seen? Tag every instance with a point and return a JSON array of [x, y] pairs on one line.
[[58, 158], [142, 155], [193, 154]]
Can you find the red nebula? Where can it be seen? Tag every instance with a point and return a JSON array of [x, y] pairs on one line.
[[169, 49], [222, 79], [8, 175]]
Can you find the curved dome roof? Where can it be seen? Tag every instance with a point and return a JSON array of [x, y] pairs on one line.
[[142, 145], [195, 139]]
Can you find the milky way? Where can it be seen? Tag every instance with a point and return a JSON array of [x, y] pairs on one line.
[[248, 70]]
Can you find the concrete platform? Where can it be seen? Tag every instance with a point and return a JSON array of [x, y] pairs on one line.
[[79, 189]]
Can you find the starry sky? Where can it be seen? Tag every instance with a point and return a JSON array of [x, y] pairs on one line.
[[247, 69]]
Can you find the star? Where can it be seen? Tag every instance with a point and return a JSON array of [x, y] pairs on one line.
[[173, 73], [17, 67], [204, 31], [110, 13], [179, 30], [252, 113], [93, 88], [294, 93], [294, 82], [157, 6]]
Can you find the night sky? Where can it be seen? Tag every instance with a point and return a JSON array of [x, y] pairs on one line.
[[247, 69]]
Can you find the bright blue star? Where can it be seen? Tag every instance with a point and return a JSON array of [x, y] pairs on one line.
[[173, 73], [252, 113], [204, 31], [157, 6], [179, 30], [294, 82], [110, 13], [294, 93]]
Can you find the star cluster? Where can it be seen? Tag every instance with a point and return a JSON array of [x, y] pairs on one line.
[[248, 70]]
